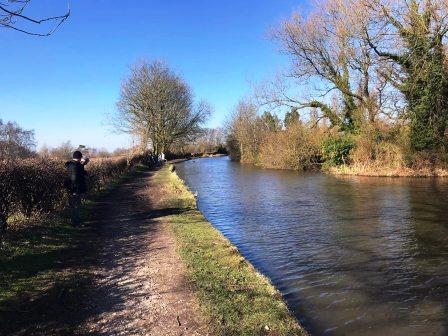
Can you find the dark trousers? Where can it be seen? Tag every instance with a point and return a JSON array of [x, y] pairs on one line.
[[75, 208]]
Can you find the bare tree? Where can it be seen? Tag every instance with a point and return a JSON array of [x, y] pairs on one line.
[[157, 106], [13, 15], [244, 132], [15, 142], [62, 152], [209, 142], [330, 55]]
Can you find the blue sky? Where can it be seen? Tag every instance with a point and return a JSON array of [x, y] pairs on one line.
[[65, 85]]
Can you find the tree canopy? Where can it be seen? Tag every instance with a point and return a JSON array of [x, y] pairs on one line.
[[157, 106]]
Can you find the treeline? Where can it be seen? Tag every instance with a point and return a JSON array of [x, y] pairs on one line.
[[32, 187], [267, 141], [19, 143], [65, 151], [207, 141], [373, 83]]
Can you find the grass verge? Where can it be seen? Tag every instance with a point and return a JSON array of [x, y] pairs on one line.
[[233, 295], [376, 171]]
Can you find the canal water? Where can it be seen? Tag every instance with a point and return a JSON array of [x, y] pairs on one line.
[[351, 255]]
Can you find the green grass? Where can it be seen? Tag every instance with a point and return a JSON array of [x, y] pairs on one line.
[[234, 296], [30, 256], [40, 289]]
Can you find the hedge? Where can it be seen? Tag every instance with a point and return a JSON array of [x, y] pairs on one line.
[[35, 186]]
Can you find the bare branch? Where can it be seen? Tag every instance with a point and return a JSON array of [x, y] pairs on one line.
[[9, 18]]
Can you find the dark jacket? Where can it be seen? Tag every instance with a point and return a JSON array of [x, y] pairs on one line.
[[75, 181]]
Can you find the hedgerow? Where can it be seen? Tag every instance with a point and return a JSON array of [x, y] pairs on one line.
[[36, 186]]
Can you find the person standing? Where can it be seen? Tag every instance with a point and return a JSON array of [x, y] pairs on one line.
[[75, 183]]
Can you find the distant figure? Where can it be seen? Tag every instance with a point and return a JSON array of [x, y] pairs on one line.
[[75, 184]]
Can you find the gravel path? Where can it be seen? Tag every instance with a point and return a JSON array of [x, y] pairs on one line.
[[139, 285]]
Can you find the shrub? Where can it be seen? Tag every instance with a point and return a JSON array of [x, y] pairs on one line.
[[7, 194], [177, 155], [103, 171], [35, 186], [292, 148], [222, 150], [379, 150], [336, 149], [148, 159], [429, 160], [39, 186]]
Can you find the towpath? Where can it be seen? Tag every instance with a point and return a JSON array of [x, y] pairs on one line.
[[119, 275], [139, 285]]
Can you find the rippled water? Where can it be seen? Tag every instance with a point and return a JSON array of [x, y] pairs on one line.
[[352, 255]]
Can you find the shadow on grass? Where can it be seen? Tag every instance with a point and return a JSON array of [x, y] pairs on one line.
[[40, 280], [53, 311]]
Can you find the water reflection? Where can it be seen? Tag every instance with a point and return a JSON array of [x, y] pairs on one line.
[[351, 255]]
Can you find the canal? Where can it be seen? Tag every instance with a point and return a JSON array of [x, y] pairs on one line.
[[351, 255]]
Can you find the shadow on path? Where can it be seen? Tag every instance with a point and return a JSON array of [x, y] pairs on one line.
[[102, 274]]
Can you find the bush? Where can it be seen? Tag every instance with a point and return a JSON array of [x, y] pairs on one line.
[[379, 150], [222, 150], [336, 150], [39, 186], [177, 155], [429, 160], [7, 194], [292, 148], [34, 186], [148, 159], [105, 170]]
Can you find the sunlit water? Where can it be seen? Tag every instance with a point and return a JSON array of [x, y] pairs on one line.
[[351, 255]]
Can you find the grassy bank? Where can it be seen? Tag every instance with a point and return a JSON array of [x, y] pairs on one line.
[[234, 296], [369, 170]]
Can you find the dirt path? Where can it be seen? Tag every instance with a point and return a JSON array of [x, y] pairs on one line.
[[139, 285]]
